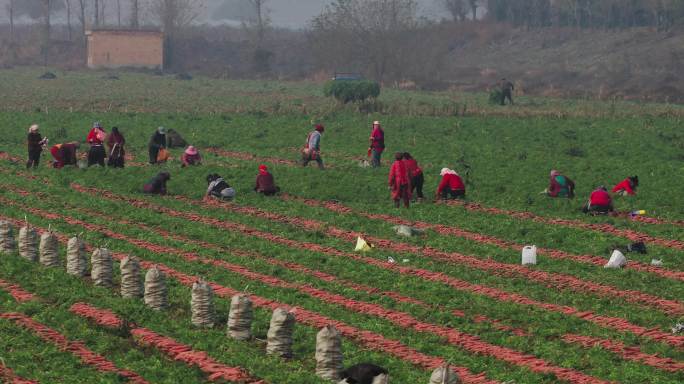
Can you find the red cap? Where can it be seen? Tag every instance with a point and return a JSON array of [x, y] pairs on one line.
[[320, 127]]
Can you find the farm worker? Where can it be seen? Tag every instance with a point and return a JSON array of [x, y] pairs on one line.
[[219, 188], [377, 144], [157, 184], [451, 186], [627, 186], [400, 181], [417, 178], [506, 91], [190, 157], [157, 143], [265, 183], [116, 143], [560, 185], [64, 154], [599, 201], [35, 146], [312, 148], [96, 138]]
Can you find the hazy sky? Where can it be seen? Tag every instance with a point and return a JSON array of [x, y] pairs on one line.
[[296, 13]]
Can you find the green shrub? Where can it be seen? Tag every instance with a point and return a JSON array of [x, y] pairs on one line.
[[495, 96], [352, 90]]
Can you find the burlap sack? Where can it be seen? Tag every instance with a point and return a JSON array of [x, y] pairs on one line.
[[49, 250], [131, 279], [202, 305], [240, 318], [102, 268], [329, 353], [28, 243], [156, 294], [7, 244], [444, 375], [279, 334], [77, 260]]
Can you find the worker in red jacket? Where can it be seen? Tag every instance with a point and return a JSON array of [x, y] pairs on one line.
[[417, 178], [400, 181], [599, 202], [265, 182], [96, 138], [64, 154], [451, 186], [627, 186]]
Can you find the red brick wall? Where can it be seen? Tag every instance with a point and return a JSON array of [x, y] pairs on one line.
[[113, 49]]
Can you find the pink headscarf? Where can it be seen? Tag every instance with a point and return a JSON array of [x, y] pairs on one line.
[[555, 173], [192, 151]]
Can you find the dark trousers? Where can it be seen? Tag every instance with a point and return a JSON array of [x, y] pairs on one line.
[[375, 158], [307, 159], [154, 151], [417, 185], [116, 162], [597, 209], [506, 94], [96, 155], [449, 194], [33, 158]]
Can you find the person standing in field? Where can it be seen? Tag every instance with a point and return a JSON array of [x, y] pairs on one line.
[[451, 186], [265, 183], [377, 144], [312, 148], [627, 186], [157, 143], [599, 202], [190, 157], [116, 143], [64, 154], [96, 138], [35, 146], [560, 186], [400, 181], [157, 185], [506, 91], [417, 178]]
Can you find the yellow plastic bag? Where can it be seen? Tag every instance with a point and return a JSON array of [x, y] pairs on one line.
[[362, 245]]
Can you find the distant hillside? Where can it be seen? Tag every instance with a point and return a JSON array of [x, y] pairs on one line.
[[634, 63]]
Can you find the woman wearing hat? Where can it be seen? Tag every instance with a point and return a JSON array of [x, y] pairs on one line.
[[157, 142], [377, 144], [35, 146], [190, 156], [96, 138], [312, 148], [451, 186]]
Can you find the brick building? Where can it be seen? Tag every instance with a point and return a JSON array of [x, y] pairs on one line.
[[114, 48]]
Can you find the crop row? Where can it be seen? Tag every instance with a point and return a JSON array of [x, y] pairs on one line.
[[450, 230], [468, 342], [366, 338], [606, 321]]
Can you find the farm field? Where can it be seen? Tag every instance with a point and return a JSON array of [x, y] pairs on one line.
[[456, 294]]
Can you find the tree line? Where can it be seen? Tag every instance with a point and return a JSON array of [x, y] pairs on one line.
[[662, 14]]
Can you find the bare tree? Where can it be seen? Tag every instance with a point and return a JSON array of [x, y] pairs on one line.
[[261, 20], [174, 16], [366, 35], [68, 10], [81, 16], [457, 8], [97, 12], [135, 10], [118, 13], [10, 13]]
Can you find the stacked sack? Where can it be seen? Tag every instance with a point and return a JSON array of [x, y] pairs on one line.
[[77, 260]]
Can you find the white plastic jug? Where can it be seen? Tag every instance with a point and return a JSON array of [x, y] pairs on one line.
[[617, 260], [529, 255]]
